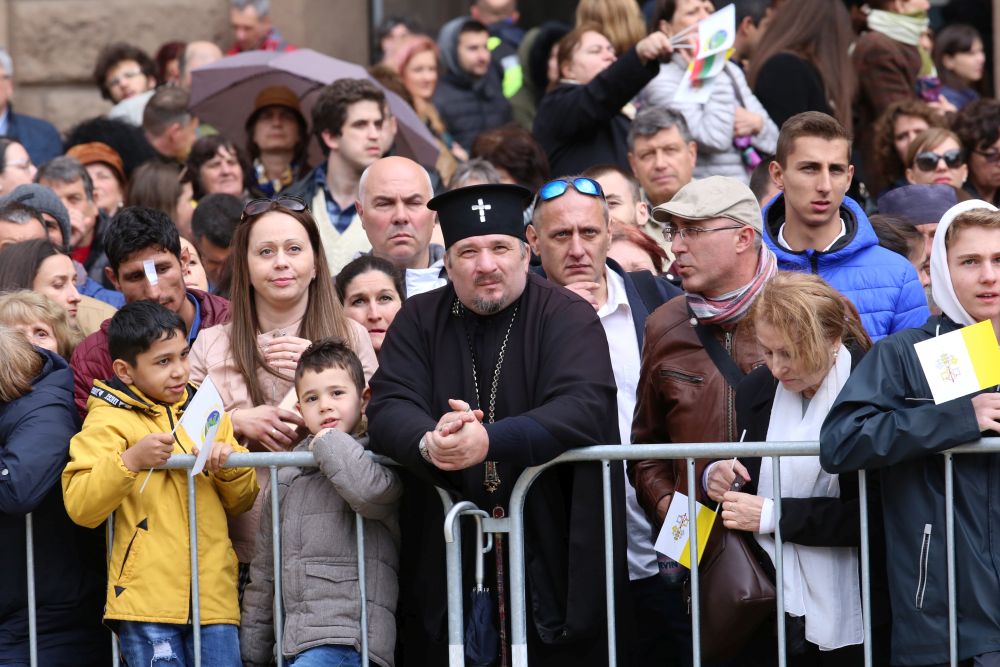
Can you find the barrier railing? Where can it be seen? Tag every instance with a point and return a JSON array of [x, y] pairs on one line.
[[514, 525]]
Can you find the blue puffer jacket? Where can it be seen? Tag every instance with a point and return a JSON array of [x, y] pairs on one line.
[[882, 285]]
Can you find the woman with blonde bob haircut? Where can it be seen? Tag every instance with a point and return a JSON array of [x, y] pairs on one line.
[[19, 364], [811, 338], [43, 322]]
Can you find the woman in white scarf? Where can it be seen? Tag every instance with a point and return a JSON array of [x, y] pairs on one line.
[[811, 338]]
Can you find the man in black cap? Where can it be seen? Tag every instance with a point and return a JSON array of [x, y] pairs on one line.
[[479, 380]]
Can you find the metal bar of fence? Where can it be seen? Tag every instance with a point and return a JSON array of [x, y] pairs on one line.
[[866, 568], [115, 661], [609, 559], [29, 541], [779, 561], [453, 556], [195, 589], [278, 602], [694, 578], [949, 527], [359, 524]]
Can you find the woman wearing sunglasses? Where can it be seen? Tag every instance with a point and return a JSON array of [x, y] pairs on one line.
[[282, 301], [935, 156]]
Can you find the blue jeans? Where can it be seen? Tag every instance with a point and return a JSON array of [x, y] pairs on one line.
[[328, 655], [170, 645]]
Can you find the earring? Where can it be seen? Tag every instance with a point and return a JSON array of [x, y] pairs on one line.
[[835, 353]]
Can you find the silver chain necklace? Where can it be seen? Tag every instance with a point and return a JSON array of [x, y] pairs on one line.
[[492, 479]]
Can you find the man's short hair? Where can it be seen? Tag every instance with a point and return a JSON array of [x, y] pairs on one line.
[[760, 180], [472, 25], [329, 353], [809, 124], [330, 111], [755, 9], [474, 169], [138, 325], [364, 179], [262, 7], [115, 53], [66, 169], [167, 106], [599, 170], [215, 218], [652, 120], [977, 217], [539, 204], [20, 214], [136, 228], [6, 63]]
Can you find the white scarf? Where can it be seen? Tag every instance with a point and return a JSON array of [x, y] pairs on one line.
[[905, 28], [941, 287], [821, 583]]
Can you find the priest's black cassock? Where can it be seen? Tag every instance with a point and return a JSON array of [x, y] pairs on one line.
[[556, 392]]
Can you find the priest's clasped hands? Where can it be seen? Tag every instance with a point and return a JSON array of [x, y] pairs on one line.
[[459, 440]]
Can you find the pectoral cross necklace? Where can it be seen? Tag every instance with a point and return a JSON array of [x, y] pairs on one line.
[[491, 479]]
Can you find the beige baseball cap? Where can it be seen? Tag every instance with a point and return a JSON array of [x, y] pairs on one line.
[[712, 197]]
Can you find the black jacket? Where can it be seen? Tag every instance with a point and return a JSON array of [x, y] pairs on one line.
[[579, 126], [788, 84], [70, 572], [885, 418]]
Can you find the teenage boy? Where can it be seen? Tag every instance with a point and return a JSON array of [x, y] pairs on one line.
[[145, 261], [322, 615], [812, 226], [131, 426], [886, 417]]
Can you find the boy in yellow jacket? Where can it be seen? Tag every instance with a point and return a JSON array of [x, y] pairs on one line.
[[130, 427]]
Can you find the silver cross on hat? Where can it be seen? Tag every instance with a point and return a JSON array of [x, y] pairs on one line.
[[482, 208]]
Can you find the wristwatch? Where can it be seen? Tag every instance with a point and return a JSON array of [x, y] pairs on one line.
[[422, 447]]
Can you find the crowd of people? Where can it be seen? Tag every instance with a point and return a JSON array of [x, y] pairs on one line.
[[593, 256]]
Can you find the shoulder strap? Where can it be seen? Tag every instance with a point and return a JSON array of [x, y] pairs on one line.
[[645, 284], [723, 362]]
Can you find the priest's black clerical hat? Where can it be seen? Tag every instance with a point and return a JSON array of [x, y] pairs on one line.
[[478, 210]]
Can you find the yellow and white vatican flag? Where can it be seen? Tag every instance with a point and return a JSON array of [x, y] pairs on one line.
[[674, 538]]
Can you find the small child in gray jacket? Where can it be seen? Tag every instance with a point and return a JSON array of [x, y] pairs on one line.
[[319, 568]]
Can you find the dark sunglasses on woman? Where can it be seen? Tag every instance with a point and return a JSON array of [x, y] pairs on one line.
[[257, 206], [928, 160]]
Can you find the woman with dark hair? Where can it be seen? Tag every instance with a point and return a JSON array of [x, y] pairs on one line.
[[277, 138], [803, 63], [372, 290], [731, 127], [584, 119], [282, 301], [960, 60], [161, 185], [894, 130], [216, 165], [16, 167], [41, 267], [167, 61], [515, 154], [978, 126], [37, 421]]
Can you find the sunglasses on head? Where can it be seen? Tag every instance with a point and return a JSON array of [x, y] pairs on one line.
[[558, 187], [928, 160], [258, 206]]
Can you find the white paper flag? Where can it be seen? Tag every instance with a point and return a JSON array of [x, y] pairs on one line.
[[201, 421]]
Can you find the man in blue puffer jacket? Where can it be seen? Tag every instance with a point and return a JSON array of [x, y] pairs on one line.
[[811, 226]]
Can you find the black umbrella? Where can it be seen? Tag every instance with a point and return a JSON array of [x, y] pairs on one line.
[[482, 642]]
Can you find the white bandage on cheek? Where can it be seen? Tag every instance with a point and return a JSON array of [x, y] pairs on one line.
[[150, 268]]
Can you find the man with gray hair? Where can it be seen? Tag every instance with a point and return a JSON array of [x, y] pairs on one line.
[[392, 204], [39, 137], [252, 29]]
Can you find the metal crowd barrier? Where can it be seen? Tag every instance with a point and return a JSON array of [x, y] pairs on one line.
[[513, 524]]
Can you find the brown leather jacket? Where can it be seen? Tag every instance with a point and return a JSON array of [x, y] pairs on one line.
[[682, 398]]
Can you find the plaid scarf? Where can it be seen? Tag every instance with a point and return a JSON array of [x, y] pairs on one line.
[[730, 307]]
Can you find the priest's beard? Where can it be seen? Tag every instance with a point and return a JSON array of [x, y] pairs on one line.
[[486, 306]]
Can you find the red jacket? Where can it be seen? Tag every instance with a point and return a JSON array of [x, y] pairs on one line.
[[91, 360]]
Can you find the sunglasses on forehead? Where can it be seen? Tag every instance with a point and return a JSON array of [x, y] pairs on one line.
[[258, 206], [558, 187], [928, 160]]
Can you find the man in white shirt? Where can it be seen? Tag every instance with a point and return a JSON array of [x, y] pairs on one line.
[[569, 231], [392, 204]]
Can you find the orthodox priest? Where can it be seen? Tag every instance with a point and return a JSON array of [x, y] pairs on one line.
[[495, 372]]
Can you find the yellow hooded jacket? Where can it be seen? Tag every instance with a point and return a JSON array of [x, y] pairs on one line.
[[149, 573]]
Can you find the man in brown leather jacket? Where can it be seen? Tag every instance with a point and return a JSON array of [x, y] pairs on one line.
[[715, 225]]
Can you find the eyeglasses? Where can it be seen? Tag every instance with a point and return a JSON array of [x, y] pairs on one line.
[[258, 206], [691, 233], [928, 160], [120, 79], [991, 156], [558, 187]]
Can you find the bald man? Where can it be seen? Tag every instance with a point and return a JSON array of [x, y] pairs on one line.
[[197, 54], [392, 203]]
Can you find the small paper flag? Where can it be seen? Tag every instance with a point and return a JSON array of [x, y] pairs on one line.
[[961, 362], [717, 33], [674, 538]]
